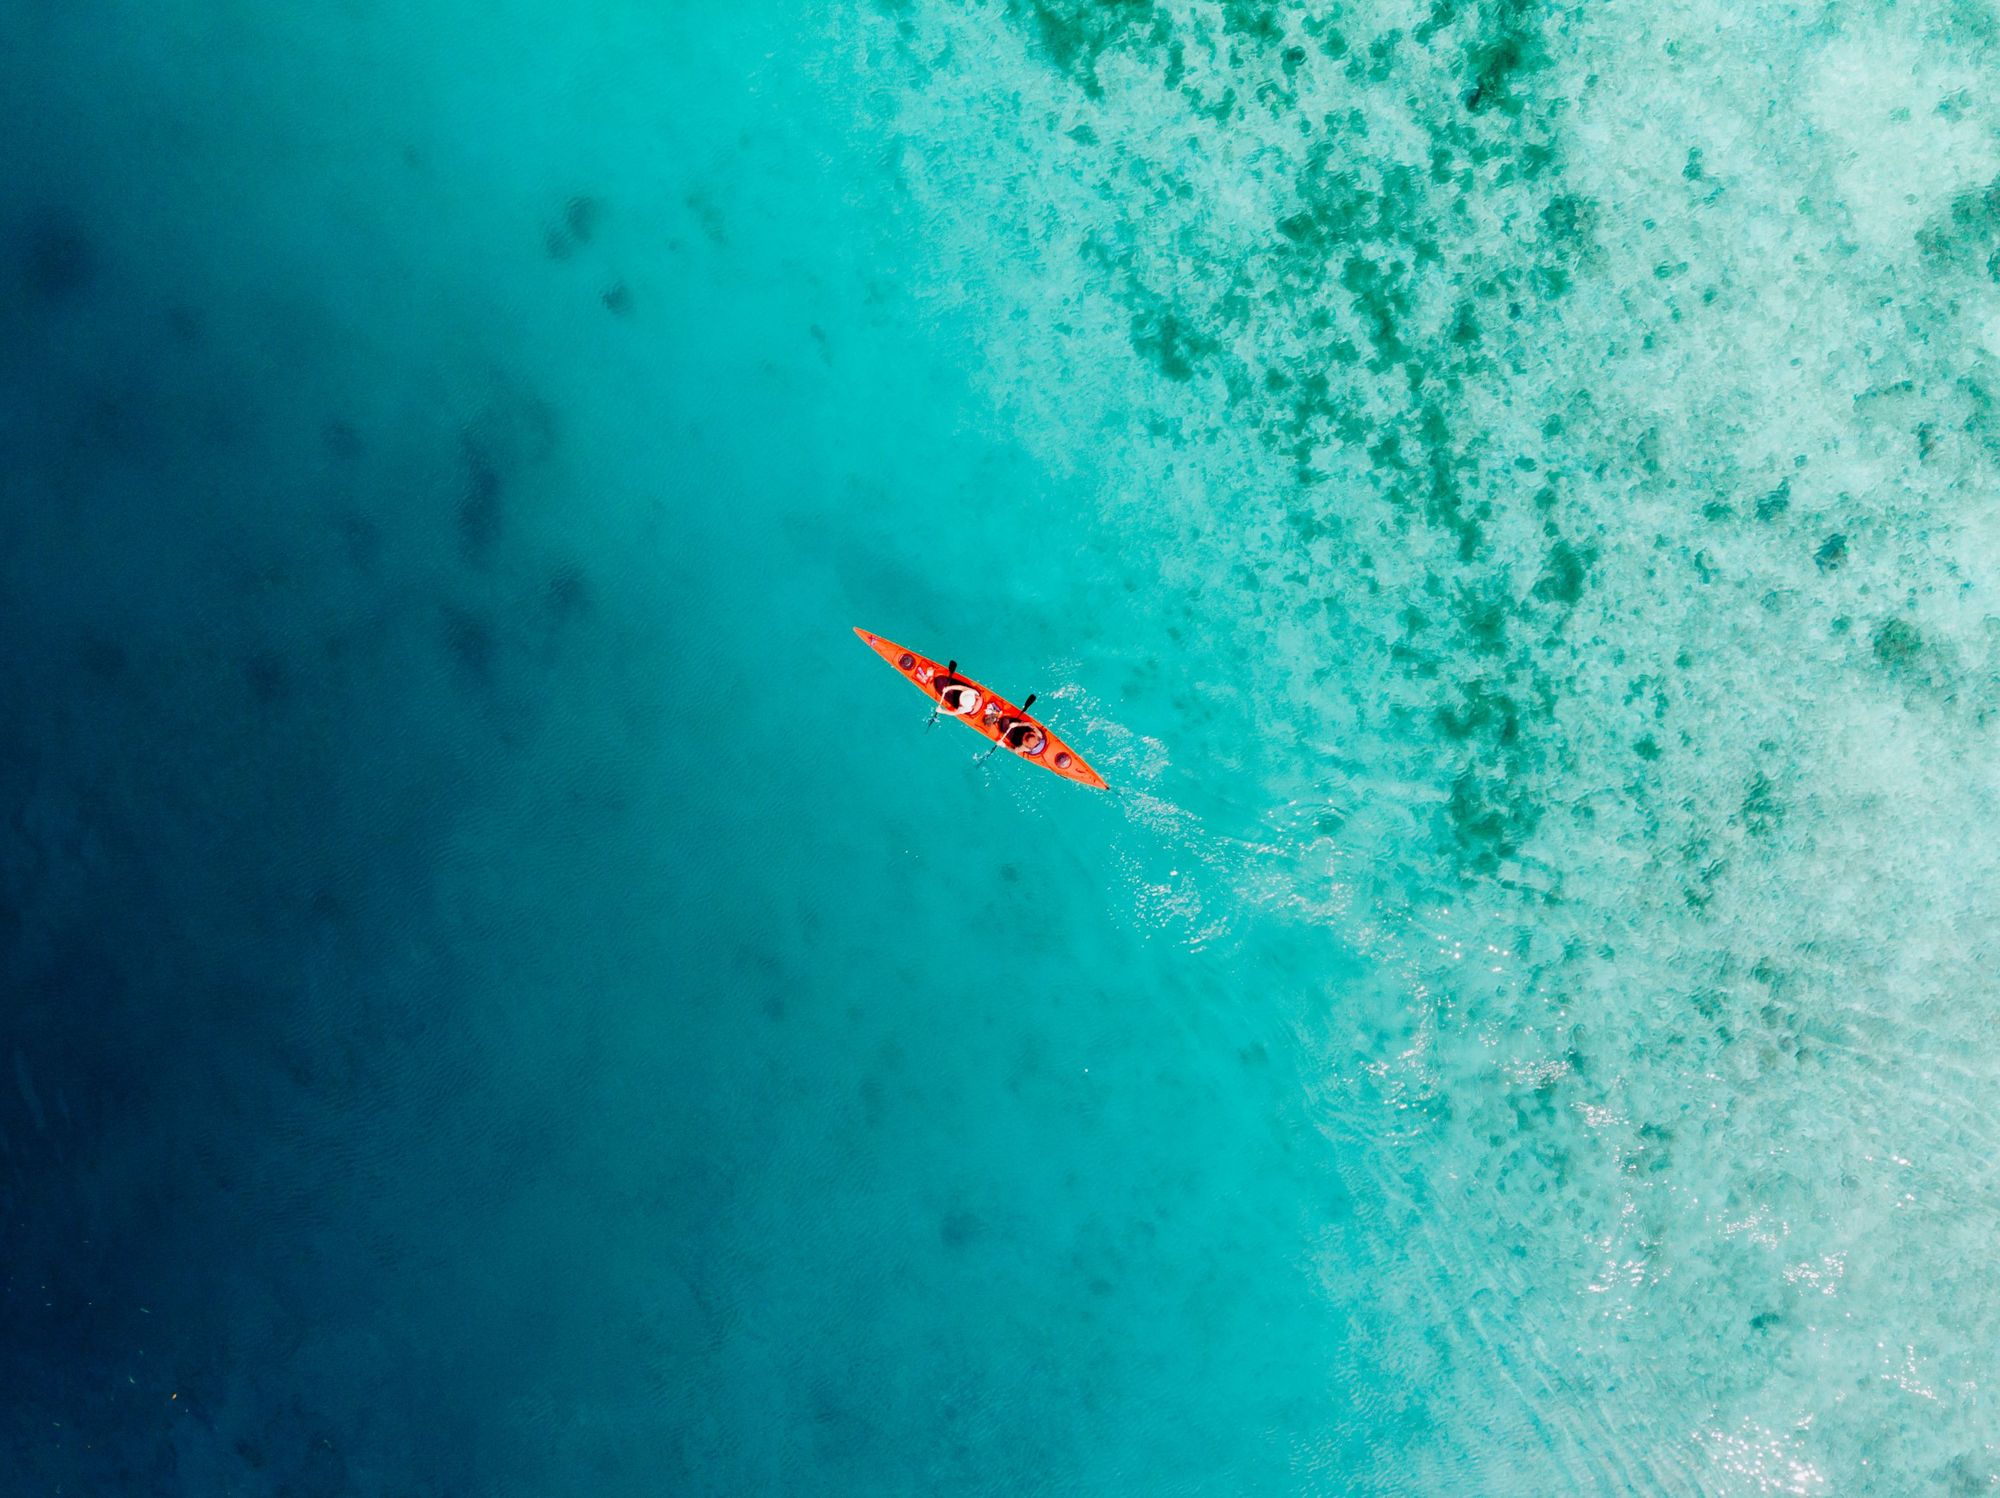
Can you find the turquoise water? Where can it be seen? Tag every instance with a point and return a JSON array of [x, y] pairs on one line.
[[506, 997]]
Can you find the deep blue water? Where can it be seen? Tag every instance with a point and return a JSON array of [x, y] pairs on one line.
[[502, 995]]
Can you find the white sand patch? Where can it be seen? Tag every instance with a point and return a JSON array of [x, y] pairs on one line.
[[1914, 132]]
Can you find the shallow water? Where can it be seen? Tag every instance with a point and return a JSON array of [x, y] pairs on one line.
[[506, 997]]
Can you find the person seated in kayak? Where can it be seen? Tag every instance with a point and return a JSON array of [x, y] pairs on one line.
[[956, 697], [1023, 735]]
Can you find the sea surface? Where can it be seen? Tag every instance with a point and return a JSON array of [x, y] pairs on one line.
[[501, 994]]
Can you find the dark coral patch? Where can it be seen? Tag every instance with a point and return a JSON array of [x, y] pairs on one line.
[[579, 224], [1169, 343], [1074, 34], [581, 215], [1510, 44], [1898, 644], [1563, 574]]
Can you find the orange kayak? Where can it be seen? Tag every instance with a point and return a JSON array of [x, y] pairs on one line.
[[960, 697]]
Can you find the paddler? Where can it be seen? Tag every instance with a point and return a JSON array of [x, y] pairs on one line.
[[1023, 734], [954, 696]]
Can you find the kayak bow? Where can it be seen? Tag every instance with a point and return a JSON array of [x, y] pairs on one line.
[[984, 710]]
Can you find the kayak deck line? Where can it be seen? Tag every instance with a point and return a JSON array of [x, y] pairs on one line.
[[978, 707]]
